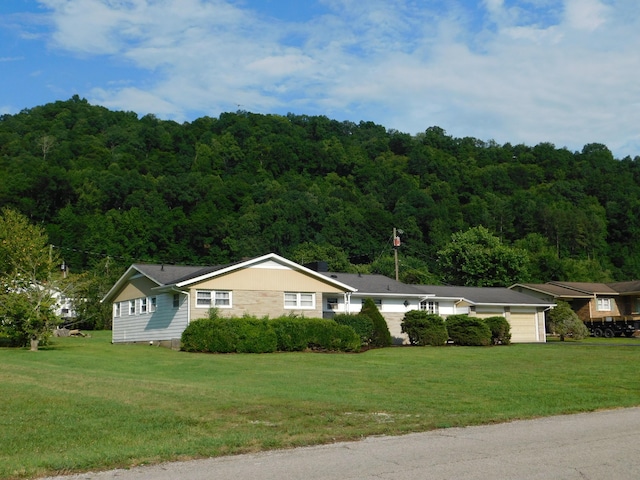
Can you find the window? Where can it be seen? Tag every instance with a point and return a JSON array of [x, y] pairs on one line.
[[430, 307], [143, 305], [211, 298], [176, 300], [203, 298], [332, 303], [116, 309], [223, 299], [132, 307], [299, 300], [152, 304], [603, 304]]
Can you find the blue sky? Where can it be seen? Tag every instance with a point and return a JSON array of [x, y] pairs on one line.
[[518, 71]]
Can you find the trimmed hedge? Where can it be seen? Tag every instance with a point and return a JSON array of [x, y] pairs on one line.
[[361, 324], [298, 334], [381, 335], [500, 330], [424, 328], [229, 335], [253, 335], [466, 330]]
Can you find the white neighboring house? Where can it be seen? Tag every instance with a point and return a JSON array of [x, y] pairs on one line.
[[63, 306]]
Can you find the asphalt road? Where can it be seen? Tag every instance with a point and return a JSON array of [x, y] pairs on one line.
[[591, 446]]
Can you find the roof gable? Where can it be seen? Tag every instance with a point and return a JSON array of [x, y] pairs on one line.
[[271, 261], [180, 276]]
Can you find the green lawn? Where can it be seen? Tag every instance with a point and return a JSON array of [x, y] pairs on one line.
[[83, 403]]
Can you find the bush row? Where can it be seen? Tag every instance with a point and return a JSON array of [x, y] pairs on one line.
[[430, 329], [254, 335]]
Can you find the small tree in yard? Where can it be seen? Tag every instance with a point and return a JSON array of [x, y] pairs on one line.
[[424, 328], [381, 335], [26, 266], [564, 322]]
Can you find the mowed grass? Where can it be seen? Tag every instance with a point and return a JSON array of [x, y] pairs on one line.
[[83, 404]]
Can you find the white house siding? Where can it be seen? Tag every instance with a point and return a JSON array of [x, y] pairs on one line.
[[166, 323]]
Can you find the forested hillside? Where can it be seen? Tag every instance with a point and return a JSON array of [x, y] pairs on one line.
[[110, 184]]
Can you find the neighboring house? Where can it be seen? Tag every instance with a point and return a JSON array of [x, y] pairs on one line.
[[63, 306], [593, 302], [157, 302], [588, 300]]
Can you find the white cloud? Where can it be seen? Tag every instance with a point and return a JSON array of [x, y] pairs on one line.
[[518, 71]]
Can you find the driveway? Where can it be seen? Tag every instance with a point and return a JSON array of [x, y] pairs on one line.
[[601, 445]]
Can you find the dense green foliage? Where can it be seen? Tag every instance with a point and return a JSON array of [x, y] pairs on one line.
[[500, 330], [478, 258], [381, 336], [424, 328], [468, 331], [361, 324], [299, 333], [229, 335], [247, 334], [109, 184], [563, 321], [27, 287]]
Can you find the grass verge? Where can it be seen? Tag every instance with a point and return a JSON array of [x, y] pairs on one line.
[[83, 403]]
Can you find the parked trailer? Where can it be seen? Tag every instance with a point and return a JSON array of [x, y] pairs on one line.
[[613, 326]]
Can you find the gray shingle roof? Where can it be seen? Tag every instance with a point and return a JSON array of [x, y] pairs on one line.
[[169, 274], [483, 295], [374, 284], [632, 286]]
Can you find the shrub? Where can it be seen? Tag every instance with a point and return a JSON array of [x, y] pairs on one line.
[[291, 333], [297, 334], [361, 324], [424, 328], [500, 330], [466, 330], [381, 336], [229, 335]]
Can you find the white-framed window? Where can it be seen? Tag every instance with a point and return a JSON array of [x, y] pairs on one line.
[[430, 306], [299, 300], [603, 304], [143, 305], [116, 309], [176, 300], [222, 299], [203, 298], [132, 307], [332, 303], [153, 304], [213, 298]]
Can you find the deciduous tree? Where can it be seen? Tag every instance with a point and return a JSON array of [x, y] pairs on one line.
[[26, 286]]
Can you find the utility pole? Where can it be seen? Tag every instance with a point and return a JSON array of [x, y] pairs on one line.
[[396, 244]]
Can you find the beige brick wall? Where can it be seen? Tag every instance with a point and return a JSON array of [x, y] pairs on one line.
[[259, 303]]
